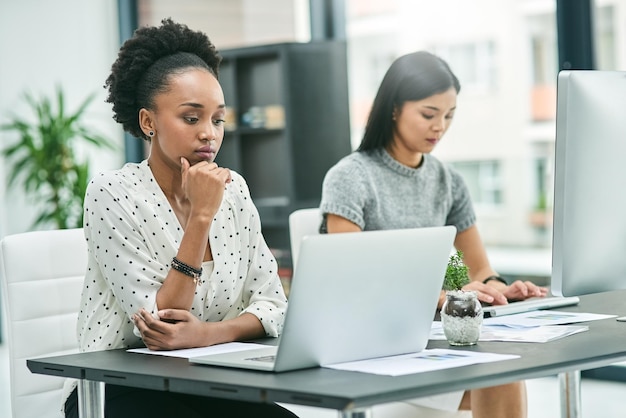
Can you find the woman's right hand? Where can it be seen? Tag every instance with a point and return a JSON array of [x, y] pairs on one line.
[[179, 329], [487, 294], [203, 184]]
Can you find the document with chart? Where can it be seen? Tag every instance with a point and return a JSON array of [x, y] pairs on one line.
[[425, 361]]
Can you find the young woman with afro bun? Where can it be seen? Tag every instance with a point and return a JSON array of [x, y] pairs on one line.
[[176, 256]]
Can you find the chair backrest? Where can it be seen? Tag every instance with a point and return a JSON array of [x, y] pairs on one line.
[[41, 277], [302, 222]]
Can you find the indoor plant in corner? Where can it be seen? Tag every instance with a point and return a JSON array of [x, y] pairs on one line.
[[44, 158], [461, 313]]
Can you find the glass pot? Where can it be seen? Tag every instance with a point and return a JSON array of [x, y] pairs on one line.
[[462, 317]]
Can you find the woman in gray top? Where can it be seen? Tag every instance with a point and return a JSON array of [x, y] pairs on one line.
[[392, 181]]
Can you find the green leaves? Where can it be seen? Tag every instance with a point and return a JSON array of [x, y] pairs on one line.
[[457, 273], [43, 159]]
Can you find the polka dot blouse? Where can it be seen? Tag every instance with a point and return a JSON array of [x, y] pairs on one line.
[[132, 235]]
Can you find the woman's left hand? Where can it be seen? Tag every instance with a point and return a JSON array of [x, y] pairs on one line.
[[520, 290], [174, 329]]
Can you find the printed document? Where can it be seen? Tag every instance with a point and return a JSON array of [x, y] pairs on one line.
[[201, 351], [535, 334], [424, 361], [545, 317]]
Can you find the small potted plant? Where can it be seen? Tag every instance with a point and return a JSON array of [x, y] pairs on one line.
[[461, 313]]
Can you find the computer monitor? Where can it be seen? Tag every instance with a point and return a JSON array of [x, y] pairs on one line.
[[589, 229]]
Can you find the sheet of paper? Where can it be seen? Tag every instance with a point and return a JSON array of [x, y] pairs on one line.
[[201, 351], [424, 361], [544, 317], [539, 334]]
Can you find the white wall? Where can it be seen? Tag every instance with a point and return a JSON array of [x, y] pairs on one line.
[[44, 43]]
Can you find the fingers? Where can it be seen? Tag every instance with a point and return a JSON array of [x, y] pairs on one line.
[[485, 298], [524, 290], [184, 169], [486, 293], [518, 288], [491, 295], [184, 166], [154, 332], [173, 315], [141, 320], [174, 328], [145, 321], [223, 174], [535, 290], [210, 168], [204, 184]]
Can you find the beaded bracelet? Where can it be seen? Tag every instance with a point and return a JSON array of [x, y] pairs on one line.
[[498, 278], [187, 270]]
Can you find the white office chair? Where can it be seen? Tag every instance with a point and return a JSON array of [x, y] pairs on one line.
[[41, 274], [302, 222]]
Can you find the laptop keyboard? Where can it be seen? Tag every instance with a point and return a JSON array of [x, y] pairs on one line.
[[267, 359]]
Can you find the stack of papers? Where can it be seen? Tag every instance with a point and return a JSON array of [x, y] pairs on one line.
[[539, 334], [536, 326]]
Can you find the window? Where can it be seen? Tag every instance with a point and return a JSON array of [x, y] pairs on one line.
[[544, 62], [231, 24], [473, 63], [483, 179], [541, 184], [543, 45], [604, 28]]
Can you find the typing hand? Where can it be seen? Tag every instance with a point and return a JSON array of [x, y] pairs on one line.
[[487, 294], [520, 290]]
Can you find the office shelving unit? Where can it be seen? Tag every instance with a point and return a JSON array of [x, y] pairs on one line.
[[288, 124]]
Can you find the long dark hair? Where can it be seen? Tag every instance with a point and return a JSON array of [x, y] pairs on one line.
[[411, 77]]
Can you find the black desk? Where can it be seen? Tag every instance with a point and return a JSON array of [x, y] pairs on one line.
[[352, 392]]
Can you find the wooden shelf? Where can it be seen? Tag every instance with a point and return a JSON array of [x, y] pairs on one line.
[[307, 85]]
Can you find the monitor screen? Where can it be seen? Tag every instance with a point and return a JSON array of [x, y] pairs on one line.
[[589, 230]]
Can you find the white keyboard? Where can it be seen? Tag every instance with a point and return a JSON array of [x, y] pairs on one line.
[[528, 305]]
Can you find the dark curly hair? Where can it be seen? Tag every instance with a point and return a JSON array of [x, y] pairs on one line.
[[410, 77], [145, 62]]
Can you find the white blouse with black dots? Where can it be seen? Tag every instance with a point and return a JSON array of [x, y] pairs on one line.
[[132, 235]]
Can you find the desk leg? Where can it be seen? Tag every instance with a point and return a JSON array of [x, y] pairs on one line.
[[90, 399], [569, 383], [357, 413]]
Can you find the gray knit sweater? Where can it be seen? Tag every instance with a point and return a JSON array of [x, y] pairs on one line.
[[375, 191]]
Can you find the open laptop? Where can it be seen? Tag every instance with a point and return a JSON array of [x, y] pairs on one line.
[[355, 296]]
